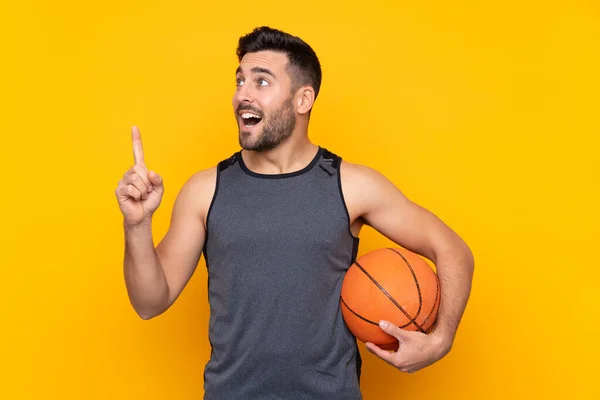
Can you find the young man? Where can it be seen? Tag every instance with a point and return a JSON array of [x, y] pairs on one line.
[[278, 224]]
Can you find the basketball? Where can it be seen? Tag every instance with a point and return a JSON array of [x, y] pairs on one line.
[[393, 284]]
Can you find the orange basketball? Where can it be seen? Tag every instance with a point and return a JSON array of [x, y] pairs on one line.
[[396, 285]]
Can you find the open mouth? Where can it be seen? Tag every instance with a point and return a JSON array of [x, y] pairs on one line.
[[250, 119]]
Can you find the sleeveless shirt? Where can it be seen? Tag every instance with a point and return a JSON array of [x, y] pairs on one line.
[[277, 248]]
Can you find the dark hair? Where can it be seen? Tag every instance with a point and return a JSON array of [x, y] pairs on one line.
[[303, 65]]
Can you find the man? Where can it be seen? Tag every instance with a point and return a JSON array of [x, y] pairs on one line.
[[278, 223]]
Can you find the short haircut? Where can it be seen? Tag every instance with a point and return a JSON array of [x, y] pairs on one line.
[[303, 66]]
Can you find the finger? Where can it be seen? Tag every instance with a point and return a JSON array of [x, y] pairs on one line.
[[156, 181], [138, 152], [121, 190], [126, 191], [392, 329], [131, 191], [392, 358], [142, 172], [136, 181], [385, 355]]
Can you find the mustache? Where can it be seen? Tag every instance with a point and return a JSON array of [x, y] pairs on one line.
[[247, 107]]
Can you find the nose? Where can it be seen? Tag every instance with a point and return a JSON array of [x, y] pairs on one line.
[[243, 94]]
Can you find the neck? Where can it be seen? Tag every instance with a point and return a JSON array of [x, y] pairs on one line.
[[292, 155]]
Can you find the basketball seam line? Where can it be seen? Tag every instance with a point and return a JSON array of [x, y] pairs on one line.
[[412, 271], [437, 294], [391, 299], [358, 315], [437, 297], [361, 317]]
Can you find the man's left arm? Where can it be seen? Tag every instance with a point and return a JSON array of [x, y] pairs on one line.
[[388, 211]]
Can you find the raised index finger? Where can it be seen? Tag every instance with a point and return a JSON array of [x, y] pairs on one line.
[[138, 152]]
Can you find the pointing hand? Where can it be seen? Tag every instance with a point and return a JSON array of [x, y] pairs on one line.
[[140, 191]]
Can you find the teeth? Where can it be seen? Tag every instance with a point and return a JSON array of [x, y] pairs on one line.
[[249, 115]]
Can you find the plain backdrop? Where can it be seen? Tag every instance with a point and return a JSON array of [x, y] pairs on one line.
[[485, 112]]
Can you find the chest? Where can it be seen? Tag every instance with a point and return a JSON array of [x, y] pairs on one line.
[[275, 221]]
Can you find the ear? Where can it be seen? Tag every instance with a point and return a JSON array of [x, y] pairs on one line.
[[305, 99]]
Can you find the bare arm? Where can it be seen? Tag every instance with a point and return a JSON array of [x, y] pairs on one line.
[[155, 277], [144, 278], [388, 211]]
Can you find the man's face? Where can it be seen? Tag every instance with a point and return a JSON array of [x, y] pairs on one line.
[[263, 102]]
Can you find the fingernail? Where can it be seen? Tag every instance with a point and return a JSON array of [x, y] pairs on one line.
[[383, 324]]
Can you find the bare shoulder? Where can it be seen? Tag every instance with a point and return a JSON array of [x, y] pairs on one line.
[[202, 181], [352, 173], [197, 192], [361, 177], [365, 188], [379, 203]]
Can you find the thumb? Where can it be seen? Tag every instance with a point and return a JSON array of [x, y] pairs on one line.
[[393, 330], [155, 179]]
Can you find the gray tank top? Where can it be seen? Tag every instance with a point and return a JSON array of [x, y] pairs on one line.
[[277, 249]]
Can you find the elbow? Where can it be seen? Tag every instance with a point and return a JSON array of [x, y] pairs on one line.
[[466, 257], [459, 254], [456, 249], [469, 257], [146, 315], [148, 312], [148, 307]]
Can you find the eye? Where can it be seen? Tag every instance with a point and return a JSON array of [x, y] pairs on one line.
[[263, 82], [239, 81]]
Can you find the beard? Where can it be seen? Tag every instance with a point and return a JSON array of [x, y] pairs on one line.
[[277, 128]]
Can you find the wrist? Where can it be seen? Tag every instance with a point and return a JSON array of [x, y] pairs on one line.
[[142, 225]]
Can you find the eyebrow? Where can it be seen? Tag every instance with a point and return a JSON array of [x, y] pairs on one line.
[[257, 70]]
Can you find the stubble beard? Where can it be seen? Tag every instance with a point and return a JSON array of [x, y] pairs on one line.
[[277, 128]]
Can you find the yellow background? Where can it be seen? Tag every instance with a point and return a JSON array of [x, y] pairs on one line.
[[487, 113]]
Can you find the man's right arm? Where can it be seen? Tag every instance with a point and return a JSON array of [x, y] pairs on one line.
[[155, 277]]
